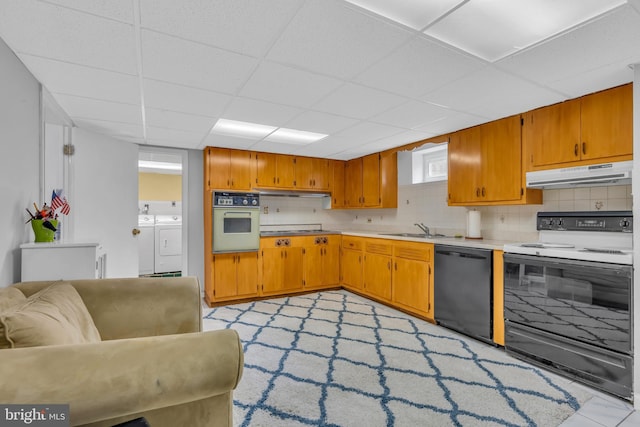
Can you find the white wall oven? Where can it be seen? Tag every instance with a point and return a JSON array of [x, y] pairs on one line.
[[236, 222], [568, 298]]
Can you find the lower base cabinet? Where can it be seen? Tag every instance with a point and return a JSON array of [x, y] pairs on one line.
[[235, 276], [377, 269], [413, 277], [281, 269], [321, 262]]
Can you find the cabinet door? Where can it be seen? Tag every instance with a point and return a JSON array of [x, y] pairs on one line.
[[411, 280], [285, 171], [501, 160], [607, 123], [377, 275], [312, 264], [292, 277], [247, 273], [552, 133], [241, 165], [321, 175], [331, 264], [465, 163], [224, 276], [353, 183], [352, 268], [304, 173], [337, 185], [272, 270], [371, 180], [266, 169], [218, 168]]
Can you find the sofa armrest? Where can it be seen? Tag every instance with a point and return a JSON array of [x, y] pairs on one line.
[[120, 377], [137, 307]]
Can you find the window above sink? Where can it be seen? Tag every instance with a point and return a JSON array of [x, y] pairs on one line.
[[427, 163]]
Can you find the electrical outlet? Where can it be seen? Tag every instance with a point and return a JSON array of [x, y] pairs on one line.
[[369, 220], [265, 210]]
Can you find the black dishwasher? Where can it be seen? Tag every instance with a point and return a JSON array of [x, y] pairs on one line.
[[463, 290]]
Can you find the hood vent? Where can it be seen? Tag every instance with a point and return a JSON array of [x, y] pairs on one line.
[[616, 173]]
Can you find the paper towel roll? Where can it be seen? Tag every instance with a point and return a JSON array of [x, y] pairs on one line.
[[474, 225]]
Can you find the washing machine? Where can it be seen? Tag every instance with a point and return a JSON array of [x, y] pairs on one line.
[[168, 243], [146, 244]]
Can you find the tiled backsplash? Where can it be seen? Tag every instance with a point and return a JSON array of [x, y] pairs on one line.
[[427, 203]]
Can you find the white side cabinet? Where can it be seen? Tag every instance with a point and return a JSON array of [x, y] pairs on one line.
[[62, 261]]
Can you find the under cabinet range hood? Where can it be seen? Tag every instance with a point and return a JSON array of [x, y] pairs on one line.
[[615, 173]]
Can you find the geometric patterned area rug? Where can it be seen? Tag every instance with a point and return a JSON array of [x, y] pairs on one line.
[[336, 359]]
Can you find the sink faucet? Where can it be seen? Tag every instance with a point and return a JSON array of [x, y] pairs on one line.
[[424, 228]]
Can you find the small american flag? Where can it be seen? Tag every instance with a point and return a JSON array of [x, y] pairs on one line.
[[58, 201]]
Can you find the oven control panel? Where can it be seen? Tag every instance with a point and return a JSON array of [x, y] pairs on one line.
[[224, 199], [610, 221]]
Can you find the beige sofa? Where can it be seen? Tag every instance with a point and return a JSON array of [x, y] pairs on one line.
[[153, 360]]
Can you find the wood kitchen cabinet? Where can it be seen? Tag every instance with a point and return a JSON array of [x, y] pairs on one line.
[[321, 262], [338, 184], [281, 265], [275, 171], [412, 284], [377, 268], [312, 173], [228, 169], [372, 181], [485, 165], [351, 262], [592, 129], [235, 276]]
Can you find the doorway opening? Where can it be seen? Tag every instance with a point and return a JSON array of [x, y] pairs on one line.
[[162, 245]]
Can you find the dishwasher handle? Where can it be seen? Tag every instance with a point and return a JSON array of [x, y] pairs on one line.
[[460, 254]]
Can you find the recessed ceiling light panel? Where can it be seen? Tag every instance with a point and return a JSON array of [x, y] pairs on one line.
[[415, 14], [293, 136], [242, 129]]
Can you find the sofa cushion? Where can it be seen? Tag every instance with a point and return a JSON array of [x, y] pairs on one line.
[[55, 315], [9, 297]]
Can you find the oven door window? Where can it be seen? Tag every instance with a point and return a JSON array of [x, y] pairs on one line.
[[586, 301], [233, 225]]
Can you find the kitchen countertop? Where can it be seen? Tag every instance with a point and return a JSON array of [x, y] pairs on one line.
[[470, 243], [283, 233]]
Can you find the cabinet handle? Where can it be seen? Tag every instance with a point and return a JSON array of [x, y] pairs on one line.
[[388, 265], [285, 254], [396, 266], [274, 179], [359, 259], [575, 150], [477, 191], [227, 182], [584, 148], [483, 192]]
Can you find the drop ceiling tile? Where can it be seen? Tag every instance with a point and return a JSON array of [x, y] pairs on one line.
[[226, 141], [113, 129], [285, 85], [420, 66], [192, 64], [326, 147], [314, 121], [180, 138], [172, 97], [94, 109], [244, 26], [451, 123], [493, 93], [120, 10], [357, 101], [415, 14], [55, 32], [411, 114], [179, 121], [602, 42], [398, 140], [275, 147], [260, 112], [365, 132], [591, 81], [70, 79], [331, 38]]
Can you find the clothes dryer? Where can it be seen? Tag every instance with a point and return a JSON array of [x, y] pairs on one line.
[[168, 243], [146, 244]]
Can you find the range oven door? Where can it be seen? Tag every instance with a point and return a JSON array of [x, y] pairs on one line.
[[236, 229], [573, 317]]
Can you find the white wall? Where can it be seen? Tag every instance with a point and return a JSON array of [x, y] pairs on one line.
[[636, 235], [195, 231], [19, 159]]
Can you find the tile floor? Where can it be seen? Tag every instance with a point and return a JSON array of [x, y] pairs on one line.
[[603, 410]]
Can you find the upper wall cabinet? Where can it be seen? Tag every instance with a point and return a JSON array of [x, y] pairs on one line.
[[485, 165], [371, 181], [228, 169], [587, 130], [313, 173]]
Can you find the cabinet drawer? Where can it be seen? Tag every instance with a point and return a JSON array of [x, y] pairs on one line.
[[417, 251], [379, 247], [353, 243]]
